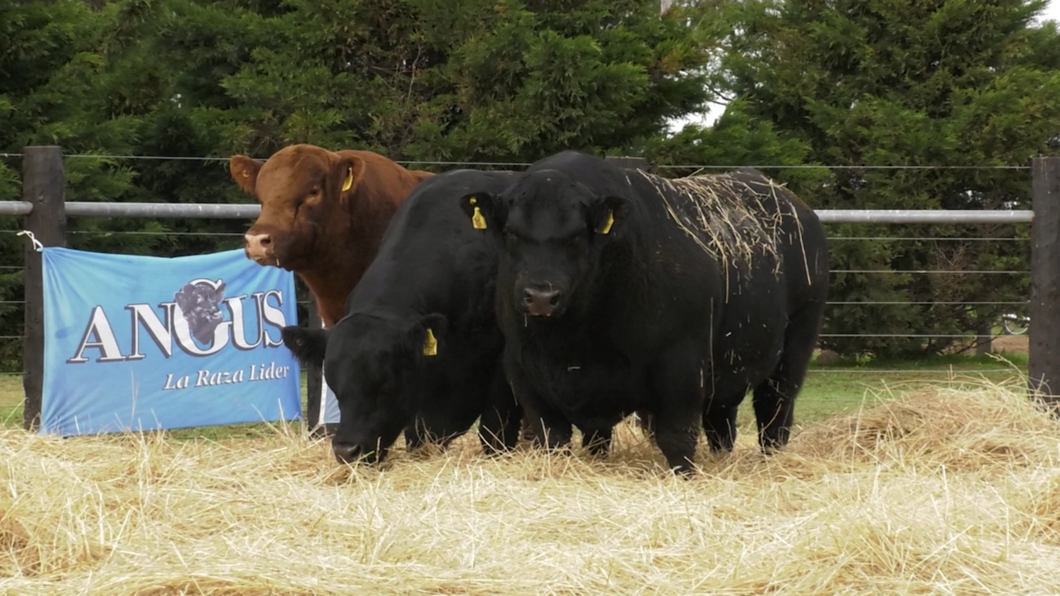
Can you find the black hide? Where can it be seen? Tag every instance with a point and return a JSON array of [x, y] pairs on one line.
[[620, 292], [434, 272]]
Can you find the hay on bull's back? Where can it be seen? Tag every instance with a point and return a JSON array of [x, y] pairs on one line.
[[883, 504], [726, 217]]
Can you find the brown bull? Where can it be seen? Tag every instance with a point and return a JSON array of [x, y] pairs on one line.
[[323, 214]]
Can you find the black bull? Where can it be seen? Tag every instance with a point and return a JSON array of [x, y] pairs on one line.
[[622, 292], [419, 348]]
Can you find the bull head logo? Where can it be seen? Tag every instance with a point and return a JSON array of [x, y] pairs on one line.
[[199, 303]]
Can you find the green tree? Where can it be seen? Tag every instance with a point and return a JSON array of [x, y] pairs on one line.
[[939, 85], [540, 76], [427, 80], [53, 61], [430, 80], [738, 139]]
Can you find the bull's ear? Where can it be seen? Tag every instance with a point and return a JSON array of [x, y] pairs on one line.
[[607, 212], [245, 171], [307, 345], [347, 172], [484, 211], [428, 331]]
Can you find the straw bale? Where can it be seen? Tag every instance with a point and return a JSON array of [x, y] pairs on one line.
[[937, 491]]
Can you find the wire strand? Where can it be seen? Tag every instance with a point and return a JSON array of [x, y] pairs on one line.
[[149, 233], [964, 336], [921, 238], [929, 303], [525, 164], [943, 271], [225, 159], [847, 167], [858, 371]]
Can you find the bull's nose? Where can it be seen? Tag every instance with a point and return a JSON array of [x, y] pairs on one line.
[[352, 453], [346, 453], [541, 302], [257, 245]]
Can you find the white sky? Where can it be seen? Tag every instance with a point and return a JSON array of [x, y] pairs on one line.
[[1051, 12]]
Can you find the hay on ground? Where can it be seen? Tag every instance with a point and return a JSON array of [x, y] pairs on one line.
[[941, 491]]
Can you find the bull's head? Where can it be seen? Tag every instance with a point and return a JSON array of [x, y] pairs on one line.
[[303, 189], [375, 367], [552, 232]]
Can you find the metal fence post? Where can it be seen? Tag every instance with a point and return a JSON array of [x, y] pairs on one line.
[[1045, 280], [42, 186], [314, 378]]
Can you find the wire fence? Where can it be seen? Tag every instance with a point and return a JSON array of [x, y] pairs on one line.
[[860, 376], [524, 164]]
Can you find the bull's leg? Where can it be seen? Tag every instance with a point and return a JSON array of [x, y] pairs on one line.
[[445, 414], [676, 433], [678, 400], [526, 432], [550, 427], [597, 441], [498, 428], [774, 398], [415, 434], [725, 392], [645, 423], [719, 422], [443, 429]]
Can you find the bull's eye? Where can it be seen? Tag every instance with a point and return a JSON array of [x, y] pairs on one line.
[[314, 191]]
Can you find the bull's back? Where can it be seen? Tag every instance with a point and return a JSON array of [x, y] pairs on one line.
[[385, 179], [431, 252], [761, 235]]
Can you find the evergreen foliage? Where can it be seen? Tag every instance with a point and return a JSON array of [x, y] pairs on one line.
[[940, 84], [418, 80], [845, 83]]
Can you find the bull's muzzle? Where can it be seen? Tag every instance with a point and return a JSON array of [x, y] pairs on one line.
[[541, 301], [259, 248], [349, 453]]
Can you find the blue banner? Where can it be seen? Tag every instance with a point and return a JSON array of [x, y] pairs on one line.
[[329, 404], [145, 343]]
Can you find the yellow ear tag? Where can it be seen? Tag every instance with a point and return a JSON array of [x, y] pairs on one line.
[[430, 345], [610, 222], [477, 221], [348, 184], [246, 173]]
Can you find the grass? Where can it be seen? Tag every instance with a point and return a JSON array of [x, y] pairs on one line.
[[849, 385], [844, 387], [12, 396]]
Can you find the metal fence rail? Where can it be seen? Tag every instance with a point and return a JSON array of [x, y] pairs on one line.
[[240, 211]]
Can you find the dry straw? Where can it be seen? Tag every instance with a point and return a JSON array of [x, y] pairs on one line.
[[940, 491], [729, 219]]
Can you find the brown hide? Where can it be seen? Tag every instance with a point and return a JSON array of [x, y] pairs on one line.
[[311, 226]]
